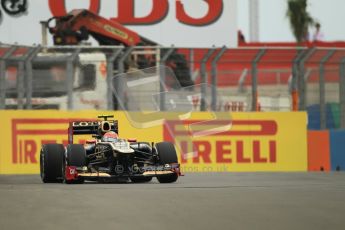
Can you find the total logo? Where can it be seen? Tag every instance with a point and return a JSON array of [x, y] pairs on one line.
[[13, 7]]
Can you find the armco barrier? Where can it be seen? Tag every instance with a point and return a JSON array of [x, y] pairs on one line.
[[318, 151], [253, 141], [337, 141]]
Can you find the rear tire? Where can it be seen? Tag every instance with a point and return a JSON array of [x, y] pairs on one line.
[[51, 158], [167, 155], [76, 156]]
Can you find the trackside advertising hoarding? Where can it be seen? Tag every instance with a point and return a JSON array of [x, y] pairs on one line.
[[248, 142], [183, 23], [254, 142]]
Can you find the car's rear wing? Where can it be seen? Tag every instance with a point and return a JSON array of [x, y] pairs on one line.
[[91, 128]]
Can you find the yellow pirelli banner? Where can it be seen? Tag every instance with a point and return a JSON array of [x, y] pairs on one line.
[[205, 141], [24, 132], [243, 142]]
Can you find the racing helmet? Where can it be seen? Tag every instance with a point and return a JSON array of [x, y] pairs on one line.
[[110, 137]]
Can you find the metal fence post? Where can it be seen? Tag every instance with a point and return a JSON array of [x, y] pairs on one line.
[[204, 79], [214, 81], [162, 79], [20, 62], [323, 112], [342, 94], [70, 78], [21, 77], [295, 80], [110, 70], [301, 81], [255, 79], [29, 76], [20, 84], [119, 81], [191, 62], [3, 59]]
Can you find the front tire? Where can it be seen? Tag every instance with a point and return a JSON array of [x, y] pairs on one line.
[[51, 158], [167, 155]]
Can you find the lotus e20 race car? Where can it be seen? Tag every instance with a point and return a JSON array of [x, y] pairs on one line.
[[107, 157]]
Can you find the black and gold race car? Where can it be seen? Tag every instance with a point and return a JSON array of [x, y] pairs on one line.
[[107, 157]]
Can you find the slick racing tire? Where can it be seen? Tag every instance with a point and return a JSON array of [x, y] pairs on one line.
[[167, 155], [75, 156], [51, 158], [140, 179]]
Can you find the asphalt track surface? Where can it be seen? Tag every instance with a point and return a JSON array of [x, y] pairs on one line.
[[197, 201]]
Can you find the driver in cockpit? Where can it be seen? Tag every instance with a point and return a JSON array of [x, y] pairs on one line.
[[110, 137]]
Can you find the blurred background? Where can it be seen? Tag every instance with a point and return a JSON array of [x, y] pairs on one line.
[[217, 56]]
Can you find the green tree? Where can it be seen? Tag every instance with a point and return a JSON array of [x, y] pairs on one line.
[[300, 19]]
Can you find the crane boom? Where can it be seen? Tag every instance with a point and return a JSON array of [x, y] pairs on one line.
[[77, 25]]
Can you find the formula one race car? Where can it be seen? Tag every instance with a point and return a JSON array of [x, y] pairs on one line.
[[107, 157]]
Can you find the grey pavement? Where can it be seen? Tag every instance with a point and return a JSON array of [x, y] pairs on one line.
[[196, 201]]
